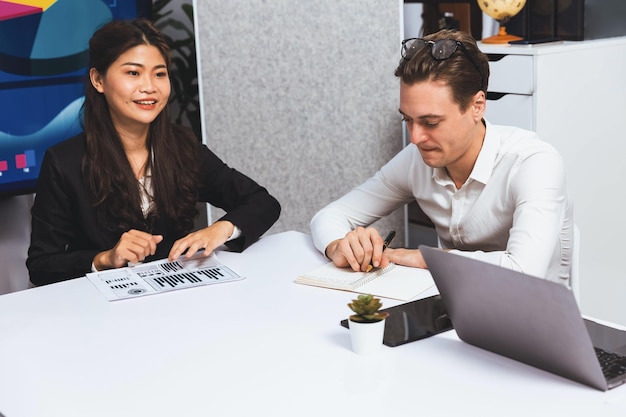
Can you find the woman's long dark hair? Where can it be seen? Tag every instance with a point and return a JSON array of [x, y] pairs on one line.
[[105, 167]]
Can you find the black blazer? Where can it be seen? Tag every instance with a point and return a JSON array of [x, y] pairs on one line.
[[66, 237]]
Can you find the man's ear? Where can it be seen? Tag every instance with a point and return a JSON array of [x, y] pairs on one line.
[[96, 79], [478, 105]]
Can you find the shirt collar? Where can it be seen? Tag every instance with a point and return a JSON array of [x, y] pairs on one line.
[[484, 163], [486, 157]]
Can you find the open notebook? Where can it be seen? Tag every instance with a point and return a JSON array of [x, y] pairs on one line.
[[395, 281]]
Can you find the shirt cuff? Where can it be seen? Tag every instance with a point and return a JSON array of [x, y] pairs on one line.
[[235, 235]]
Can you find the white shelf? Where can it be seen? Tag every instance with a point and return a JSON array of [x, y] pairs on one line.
[[576, 100]]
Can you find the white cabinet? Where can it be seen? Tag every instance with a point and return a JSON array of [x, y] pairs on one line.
[[573, 94]]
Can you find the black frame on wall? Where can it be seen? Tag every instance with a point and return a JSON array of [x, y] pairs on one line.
[[549, 19], [434, 10]]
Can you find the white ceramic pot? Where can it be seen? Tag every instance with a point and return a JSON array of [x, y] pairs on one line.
[[367, 338]]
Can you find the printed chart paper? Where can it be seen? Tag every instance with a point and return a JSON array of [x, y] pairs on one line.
[[161, 276]]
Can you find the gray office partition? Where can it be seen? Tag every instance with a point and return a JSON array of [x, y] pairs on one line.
[[301, 96]]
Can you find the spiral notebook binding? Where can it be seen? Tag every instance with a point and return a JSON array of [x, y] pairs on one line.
[[370, 276]]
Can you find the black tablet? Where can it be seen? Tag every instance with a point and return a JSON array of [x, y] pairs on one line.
[[414, 321]]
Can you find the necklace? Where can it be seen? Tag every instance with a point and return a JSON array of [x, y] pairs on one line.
[[138, 169]]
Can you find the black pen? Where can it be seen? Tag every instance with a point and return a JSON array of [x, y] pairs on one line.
[[386, 243]]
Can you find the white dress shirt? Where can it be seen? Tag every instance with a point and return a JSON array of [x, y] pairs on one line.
[[512, 211]]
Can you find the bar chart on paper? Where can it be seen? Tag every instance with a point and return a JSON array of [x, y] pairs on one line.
[[161, 276]]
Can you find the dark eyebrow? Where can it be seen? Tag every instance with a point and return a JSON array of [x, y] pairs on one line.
[[426, 116], [135, 64]]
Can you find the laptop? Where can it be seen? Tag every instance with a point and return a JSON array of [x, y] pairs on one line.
[[528, 319]]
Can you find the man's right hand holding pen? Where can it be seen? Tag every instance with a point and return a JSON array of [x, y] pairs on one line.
[[364, 246], [359, 249], [386, 244]]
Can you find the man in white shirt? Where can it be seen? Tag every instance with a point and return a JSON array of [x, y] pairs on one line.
[[494, 193]]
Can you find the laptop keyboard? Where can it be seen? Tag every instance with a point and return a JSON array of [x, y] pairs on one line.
[[612, 364]]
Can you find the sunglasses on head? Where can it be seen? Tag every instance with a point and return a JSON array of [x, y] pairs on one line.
[[439, 50]]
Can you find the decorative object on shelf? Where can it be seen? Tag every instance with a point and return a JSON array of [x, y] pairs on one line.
[[467, 14], [447, 21], [367, 325], [502, 11]]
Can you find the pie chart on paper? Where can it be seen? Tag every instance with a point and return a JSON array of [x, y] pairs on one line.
[[48, 37]]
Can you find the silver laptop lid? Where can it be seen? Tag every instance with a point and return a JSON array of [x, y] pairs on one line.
[[528, 319]]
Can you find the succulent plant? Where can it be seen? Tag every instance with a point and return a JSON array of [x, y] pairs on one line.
[[366, 308]]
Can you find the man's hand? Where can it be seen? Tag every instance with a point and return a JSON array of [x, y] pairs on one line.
[[357, 249], [406, 257]]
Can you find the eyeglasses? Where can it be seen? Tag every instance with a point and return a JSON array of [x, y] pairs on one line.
[[440, 50]]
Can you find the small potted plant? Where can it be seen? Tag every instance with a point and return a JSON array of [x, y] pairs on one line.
[[367, 324]]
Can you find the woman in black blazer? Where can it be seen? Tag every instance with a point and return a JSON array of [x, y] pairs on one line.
[[125, 190]]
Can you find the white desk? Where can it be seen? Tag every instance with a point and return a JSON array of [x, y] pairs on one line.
[[261, 346]]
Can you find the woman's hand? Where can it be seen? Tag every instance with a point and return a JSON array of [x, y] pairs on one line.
[[133, 246], [208, 239]]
